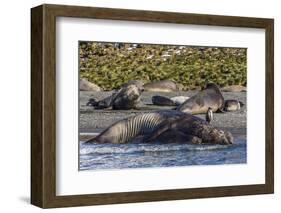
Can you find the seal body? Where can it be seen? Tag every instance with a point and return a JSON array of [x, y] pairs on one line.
[[210, 97], [127, 129], [234, 88], [163, 126], [85, 85], [165, 101], [232, 105], [127, 98], [161, 86], [162, 101], [193, 127]]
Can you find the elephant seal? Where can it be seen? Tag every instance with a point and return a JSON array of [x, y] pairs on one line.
[[210, 97], [127, 129], [194, 127], [165, 101], [232, 105], [162, 101], [128, 97], [234, 88], [161, 86], [166, 124], [85, 85]]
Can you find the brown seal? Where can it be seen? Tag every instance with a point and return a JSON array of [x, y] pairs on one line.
[[164, 127], [210, 97], [162, 86]]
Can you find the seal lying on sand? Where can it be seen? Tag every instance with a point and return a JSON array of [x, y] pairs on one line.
[[153, 124], [128, 97], [234, 88], [232, 105], [210, 97], [165, 101], [85, 85], [162, 86], [162, 101]]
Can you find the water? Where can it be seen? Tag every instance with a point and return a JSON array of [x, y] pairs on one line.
[[120, 156]]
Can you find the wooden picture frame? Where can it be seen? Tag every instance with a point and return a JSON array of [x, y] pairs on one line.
[[43, 105]]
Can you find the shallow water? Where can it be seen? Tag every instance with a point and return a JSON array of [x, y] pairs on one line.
[[120, 156]]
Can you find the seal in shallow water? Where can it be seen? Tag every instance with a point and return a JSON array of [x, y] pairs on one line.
[[193, 127], [182, 126], [210, 97]]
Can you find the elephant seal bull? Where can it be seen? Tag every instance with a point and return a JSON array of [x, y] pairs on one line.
[[162, 86], [196, 129], [181, 127], [127, 129], [210, 97]]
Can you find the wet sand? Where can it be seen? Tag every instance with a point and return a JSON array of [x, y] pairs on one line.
[[92, 120]]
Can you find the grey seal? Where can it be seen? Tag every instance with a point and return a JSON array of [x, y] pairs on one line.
[[210, 97], [153, 125]]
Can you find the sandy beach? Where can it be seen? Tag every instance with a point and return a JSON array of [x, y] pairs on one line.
[[92, 120]]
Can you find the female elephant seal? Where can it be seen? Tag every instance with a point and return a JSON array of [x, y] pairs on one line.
[[173, 124], [162, 86], [165, 101], [232, 105], [128, 97], [210, 97]]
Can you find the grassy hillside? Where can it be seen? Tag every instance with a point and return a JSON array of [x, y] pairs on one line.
[[109, 65]]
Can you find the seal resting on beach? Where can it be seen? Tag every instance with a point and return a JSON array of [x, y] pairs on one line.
[[211, 97], [234, 88], [128, 97], [152, 125], [165, 101], [162, 101], [232, 105], [162, 86], [85, 85]]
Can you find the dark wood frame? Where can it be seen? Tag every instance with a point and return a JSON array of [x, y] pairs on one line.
[[43, 105]]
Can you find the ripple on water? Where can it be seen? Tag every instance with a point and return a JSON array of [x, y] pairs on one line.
[[118, 156]]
